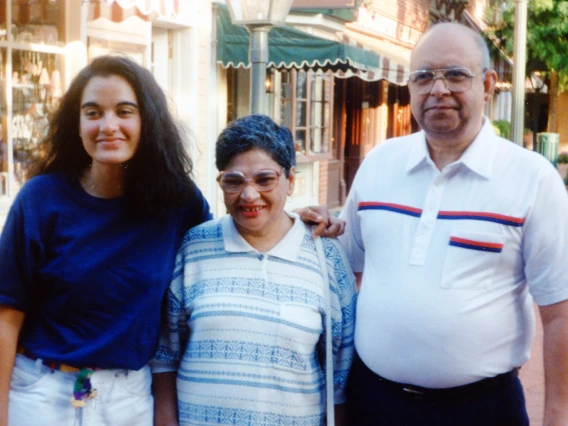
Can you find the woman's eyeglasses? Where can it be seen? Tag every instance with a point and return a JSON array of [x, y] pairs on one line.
[[457, 80], [233, 181]]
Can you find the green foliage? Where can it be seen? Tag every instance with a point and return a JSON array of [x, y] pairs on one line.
[[547, 33], [502, 128], [562, 158]]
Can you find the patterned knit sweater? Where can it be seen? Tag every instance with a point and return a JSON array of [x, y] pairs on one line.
[[246, 330]]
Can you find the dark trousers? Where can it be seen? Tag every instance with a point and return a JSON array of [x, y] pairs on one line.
[[373, 402]]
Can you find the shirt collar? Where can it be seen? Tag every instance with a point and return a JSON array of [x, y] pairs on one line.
[[418, 153], [287, 248], [478, 157]]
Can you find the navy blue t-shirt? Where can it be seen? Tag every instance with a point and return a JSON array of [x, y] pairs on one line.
[[89, 275]]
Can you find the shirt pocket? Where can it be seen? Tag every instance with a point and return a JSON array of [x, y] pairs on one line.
[[26, 375], [471, 259]]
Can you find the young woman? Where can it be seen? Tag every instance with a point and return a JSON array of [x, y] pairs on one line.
[[87, 253], [246, 307]]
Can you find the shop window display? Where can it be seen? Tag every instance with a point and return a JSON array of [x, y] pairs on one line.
[[36, 90], [31, 42], [3, 139], [38, 21]]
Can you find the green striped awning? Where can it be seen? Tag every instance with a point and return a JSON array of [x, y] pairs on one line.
[[290, 48]]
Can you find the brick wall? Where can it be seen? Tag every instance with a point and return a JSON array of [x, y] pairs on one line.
[[323, 175]]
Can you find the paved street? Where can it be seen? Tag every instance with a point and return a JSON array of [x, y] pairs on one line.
[[532, 376]]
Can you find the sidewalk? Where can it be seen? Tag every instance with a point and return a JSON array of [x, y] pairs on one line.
[[532, 376]]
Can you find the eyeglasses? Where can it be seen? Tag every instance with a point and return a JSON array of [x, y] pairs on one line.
[[457, 80], [264, 180]]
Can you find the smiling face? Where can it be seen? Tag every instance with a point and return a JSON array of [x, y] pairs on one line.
[[110, 122], [444, 115], [258, 214]]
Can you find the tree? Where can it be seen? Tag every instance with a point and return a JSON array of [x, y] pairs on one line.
[[547, 40]]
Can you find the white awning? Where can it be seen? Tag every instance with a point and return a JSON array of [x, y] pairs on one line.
[[119, 10]]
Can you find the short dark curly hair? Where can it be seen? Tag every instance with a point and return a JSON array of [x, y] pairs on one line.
[[256, 132], [158, 176]]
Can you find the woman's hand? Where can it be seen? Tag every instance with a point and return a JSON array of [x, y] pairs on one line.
[[326, 225], [11, 321]]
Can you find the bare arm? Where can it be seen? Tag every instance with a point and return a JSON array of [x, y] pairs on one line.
[[555, 326], [165, 399], [327, 225], [358, 279], [11, 321], [341, 415]]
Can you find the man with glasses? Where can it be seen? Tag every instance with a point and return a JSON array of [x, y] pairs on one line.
[[455, 232]]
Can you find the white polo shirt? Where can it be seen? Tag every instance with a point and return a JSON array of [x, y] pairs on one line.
[[450, 257]]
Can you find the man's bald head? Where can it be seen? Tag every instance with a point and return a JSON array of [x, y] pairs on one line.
[[451, 29]]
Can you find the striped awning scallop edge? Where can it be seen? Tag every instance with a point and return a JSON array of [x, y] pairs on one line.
[[290, 48], [388, 69], [119, 10]]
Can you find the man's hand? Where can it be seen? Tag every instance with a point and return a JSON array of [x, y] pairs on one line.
[[326, 225]]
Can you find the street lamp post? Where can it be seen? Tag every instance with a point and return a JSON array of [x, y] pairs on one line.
[[519, 55], [258, 17], [537, 86]]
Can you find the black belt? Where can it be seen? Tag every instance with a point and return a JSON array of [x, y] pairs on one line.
[[418, 392]]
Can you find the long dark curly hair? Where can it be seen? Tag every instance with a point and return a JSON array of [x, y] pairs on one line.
[[158, 176]]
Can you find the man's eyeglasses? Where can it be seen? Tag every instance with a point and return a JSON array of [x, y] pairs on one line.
[[264, 180], [457, 80]]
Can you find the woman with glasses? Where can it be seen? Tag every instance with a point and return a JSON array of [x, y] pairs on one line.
[[246, 307]]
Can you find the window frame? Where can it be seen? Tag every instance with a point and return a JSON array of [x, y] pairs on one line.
[[308, 101]]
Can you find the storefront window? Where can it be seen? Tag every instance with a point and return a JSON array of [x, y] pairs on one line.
[[306, 106], [3, 128], [3, 27], [31, 65], [36, 90], [38, 21], [286, 98]]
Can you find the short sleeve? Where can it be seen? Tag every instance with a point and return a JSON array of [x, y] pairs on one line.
[[20, 249], [343, 302], [352, 240], [174, 331], [545, 241]]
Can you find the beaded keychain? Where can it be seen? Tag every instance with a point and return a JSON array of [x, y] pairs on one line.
[[83, 390]]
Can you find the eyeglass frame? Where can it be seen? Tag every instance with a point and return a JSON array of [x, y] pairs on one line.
[[470, 77], [249, 180]]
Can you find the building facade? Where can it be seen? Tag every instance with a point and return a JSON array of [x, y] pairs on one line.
[[44, 44], [336, 78]]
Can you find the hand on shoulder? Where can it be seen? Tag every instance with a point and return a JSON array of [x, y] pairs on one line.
[[327, 225]]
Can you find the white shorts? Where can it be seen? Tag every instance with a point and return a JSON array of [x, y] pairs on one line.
[[41, 396]]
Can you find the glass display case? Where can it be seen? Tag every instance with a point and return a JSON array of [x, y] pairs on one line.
[[32, 34], [36, 90]]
